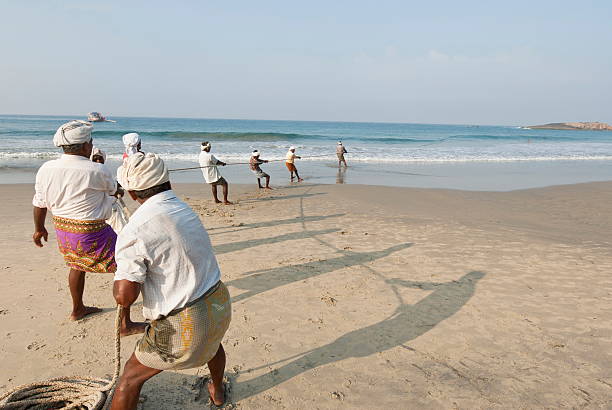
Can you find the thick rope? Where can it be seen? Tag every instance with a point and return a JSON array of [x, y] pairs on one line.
[[87, 393]]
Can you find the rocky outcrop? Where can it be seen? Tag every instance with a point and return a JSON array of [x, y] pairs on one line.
[[599, 126]]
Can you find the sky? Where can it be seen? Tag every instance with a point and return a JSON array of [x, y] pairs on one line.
[[454, 62]]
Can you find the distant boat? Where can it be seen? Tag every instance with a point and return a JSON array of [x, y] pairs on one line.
[[97, 117]]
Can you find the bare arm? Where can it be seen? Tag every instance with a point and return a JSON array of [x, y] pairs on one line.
[[126, 292], [40, 232]]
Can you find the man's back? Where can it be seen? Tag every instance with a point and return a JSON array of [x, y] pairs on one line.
[[166, 248], [75, 187]]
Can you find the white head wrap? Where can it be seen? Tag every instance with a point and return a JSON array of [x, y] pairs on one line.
[[131, 142], [205, 145], [339, 142], [291, 147], [255, 153], [97, 151], [141, 171], [73, 132]]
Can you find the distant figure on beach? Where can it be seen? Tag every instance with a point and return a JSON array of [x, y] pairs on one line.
[[132, 144], [97, 155], [164, 252], [340, 151], [79, 193], [290, 163], [211, 172], [254, 164]]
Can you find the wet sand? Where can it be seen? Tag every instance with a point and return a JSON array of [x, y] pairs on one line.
[[358, 297]]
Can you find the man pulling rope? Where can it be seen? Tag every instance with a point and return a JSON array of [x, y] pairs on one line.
[[165, 253]]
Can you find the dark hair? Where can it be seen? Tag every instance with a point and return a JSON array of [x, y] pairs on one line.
[[154, 190], [72, 149]]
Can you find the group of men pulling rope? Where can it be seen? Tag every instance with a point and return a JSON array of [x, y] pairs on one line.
[[163, 253], [209, 165]]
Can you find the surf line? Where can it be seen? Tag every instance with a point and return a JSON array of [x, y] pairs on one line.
[[241, 163]]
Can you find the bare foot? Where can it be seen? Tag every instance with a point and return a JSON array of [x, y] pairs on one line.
[[133, 328], [217, 201], [228, 203], [300, 179], [268, 187], [81, 313], [217, 396]]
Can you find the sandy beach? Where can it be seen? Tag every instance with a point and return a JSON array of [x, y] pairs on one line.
[[355, 296]]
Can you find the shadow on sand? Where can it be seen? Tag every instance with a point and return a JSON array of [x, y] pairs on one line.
[[276, 198], [263, 280], [405, 324], [276, 222], [237, 246]]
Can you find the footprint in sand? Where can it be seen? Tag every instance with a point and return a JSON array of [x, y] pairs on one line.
[[35, 345]]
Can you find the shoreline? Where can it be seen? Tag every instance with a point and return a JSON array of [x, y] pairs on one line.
[[468, 176]]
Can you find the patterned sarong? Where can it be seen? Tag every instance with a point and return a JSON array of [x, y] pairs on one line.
[[188, 337], [86, 245]]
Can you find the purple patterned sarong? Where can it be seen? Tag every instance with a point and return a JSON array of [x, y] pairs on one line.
[[86, 245]]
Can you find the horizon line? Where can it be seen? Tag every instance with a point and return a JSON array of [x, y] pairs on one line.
[[269, 120]]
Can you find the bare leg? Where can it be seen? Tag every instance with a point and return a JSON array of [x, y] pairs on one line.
[[214, 192], [345, 166], [267, 182], [216, 365], [298, 176], [127, 326], [76, 282], [135, 374], [259, 183], [225, 192]]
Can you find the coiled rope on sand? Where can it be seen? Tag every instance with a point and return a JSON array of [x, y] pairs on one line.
[[71, 392]]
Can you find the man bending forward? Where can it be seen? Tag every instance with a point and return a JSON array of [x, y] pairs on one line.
[[165, 253]]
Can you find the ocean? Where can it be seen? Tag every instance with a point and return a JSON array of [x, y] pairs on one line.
[[418, 155]]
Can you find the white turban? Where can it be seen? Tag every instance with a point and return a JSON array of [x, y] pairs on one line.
[[73, 132], [131, 142], [97, 151], [255, 153], [205, 146], [291, 147], [142, 171]]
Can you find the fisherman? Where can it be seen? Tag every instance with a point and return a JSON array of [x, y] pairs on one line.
[[340, 151], [132, 144], [164, 252], [79, 193], [97, 155], [254, 164], [290, 163], [209, 164]]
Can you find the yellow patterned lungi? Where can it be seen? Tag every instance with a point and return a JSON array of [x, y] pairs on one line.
[[188, 337]]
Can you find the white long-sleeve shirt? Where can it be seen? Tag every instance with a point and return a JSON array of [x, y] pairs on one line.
[[76, 188], [165, 247], [211, 173]]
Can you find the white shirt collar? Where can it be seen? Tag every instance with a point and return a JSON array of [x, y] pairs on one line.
[[162, 196], [73, 157]]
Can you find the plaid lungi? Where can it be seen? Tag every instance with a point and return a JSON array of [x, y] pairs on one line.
[[86, 245], [188, 337]]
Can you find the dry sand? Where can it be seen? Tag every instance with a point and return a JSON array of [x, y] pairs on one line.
[[358, 297]]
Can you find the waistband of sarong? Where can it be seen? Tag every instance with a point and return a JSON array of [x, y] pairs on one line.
[[77, 226], [209, 292]]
